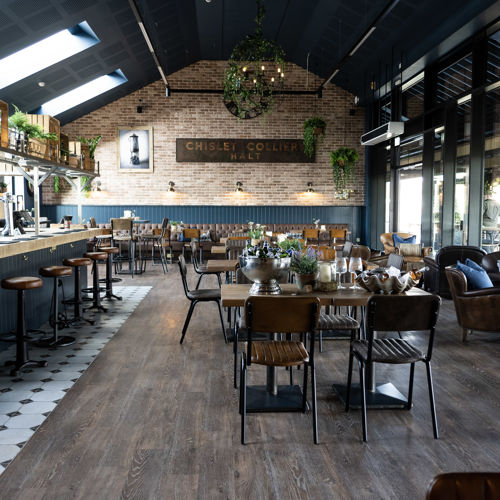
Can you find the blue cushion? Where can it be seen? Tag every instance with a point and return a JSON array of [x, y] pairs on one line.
[[181, 238], [475, 279], [473, 264], [398, 240]]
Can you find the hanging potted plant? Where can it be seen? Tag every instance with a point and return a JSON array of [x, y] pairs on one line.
[[314, 131], [342, 161], [3, 187]]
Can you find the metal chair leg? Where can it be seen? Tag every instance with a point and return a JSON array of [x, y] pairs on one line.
[[349, 381], [314, 405], [188, 318], [222, 320], [431, 399], [410, 387], [304, 387], [363, 399], [199, 281], [243, 398]]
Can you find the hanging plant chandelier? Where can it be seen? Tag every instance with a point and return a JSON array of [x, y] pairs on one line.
[[255, 72]]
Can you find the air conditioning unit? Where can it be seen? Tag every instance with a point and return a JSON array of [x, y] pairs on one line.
[[382, 133]]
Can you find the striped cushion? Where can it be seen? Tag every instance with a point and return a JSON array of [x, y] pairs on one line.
[[388, 351], [337, 322]]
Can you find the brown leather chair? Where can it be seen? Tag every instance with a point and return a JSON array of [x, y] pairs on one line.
[[289, 315], [490, 264], [475, 309], [388, 241], [435, 277], [338, 236], [462, 485], [311, 235]]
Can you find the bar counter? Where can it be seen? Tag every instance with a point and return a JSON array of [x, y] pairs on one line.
[[26, 257]]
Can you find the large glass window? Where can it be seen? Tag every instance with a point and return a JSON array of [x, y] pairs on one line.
[[455, 79], [437, 189], [462, 167], [388, 191], [409, 186], [493, 62], [491, 194], [413, 98]]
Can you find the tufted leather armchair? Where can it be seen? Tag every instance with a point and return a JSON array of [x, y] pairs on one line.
[[435, 277], [475, 309], [489, 263]]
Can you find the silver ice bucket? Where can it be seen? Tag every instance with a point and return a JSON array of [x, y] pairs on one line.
[[265, 273]]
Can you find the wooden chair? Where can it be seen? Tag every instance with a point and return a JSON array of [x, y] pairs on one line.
[[462, 485], [191, 234], [385, 313], [326, 253], [195, 296], [311, 235], [287, 315], [235, 245], [338, 236], [201, 269]]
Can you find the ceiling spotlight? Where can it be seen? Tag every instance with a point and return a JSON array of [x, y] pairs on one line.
[[239, 187], [208, 1], [41, 84], [310, 187], [171, 185]]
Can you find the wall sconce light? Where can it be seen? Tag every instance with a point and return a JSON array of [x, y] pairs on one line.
[[171, 185], [239, 187], [310, 187]]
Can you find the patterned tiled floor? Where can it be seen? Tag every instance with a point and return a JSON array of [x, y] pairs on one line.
[[27, 400]]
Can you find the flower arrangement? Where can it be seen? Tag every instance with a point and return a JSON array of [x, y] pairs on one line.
[[304, 263], [256, 231], [316, 223], [266, 252]]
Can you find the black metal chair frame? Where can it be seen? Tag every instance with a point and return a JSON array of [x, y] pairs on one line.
[[157, 244], [395, 322], [199, 270], [195, 297], [246, 361]]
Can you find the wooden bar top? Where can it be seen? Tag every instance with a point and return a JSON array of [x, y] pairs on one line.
[[48, 238], [235, 295]]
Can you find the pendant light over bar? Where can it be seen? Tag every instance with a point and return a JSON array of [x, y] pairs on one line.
[[361, 40]]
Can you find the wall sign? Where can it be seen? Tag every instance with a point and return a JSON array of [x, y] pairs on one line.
[[241, 150]]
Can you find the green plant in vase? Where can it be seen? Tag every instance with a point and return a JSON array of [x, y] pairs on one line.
[[343, 161], [314, 131]]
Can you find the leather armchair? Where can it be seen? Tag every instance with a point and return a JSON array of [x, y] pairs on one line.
[[475, 309], [435, 277], [489, 263], [388, 242]]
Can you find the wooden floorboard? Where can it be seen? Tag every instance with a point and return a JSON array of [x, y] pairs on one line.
[[153, 419]]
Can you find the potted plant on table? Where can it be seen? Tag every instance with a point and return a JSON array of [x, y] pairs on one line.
[[3, 187], [314, 131], [305, 267], [256, 232], [343, 161], [92, 143]]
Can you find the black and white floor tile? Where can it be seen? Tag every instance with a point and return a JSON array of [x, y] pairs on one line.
[[27, 400]]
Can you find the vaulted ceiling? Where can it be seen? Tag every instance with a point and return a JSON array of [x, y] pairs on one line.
[[314, 33]]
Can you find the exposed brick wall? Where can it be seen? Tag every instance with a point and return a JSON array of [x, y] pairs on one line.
[[204, 115]]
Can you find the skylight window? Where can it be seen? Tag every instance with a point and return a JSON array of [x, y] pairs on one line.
[[83, 93], [45, 53]]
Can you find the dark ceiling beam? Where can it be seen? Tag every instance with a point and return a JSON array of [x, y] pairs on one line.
[[221, 91], [146, 36], [380, 17]]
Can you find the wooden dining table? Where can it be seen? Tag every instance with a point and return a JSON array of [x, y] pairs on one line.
[[383, 395]]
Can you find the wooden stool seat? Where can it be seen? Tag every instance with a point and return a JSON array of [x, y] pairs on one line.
[[96, 255], [55, 271], [22, 283], [109, 250], [77, 262]]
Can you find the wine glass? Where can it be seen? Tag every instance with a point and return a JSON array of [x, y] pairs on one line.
[[341, 269], [355, 267]]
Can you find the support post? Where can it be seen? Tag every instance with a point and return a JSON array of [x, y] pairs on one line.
[[36, 192]]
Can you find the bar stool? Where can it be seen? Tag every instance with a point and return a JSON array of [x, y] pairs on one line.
[[109, 272], [76, 263], [22, 283], [55, 272], [95, 257]]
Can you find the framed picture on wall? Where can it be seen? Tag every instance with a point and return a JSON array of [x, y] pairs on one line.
[[134, 147]]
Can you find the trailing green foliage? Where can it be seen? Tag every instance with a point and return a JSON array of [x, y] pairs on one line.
[[92, 143], [342, 161], [310, 135], [19, 121]]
